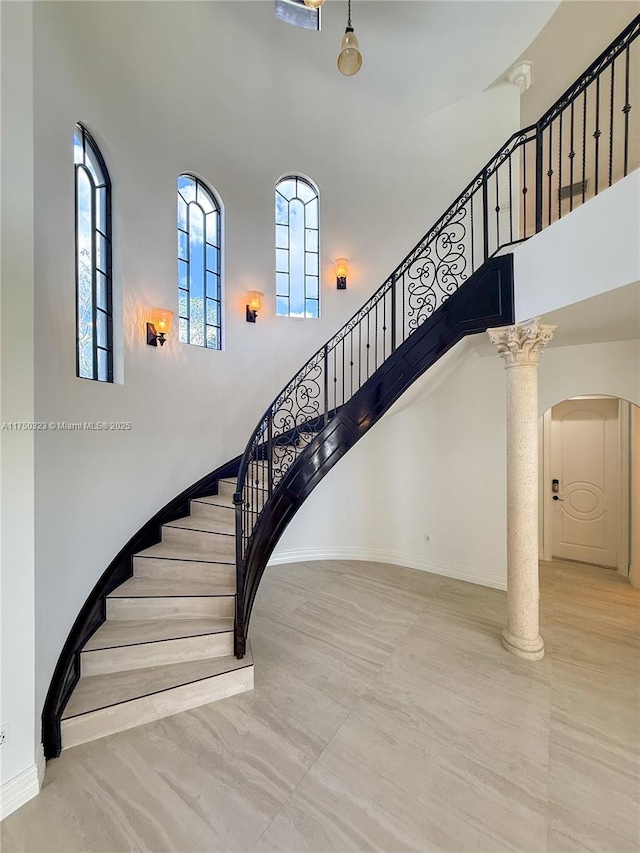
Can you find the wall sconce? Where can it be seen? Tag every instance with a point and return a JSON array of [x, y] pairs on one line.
[[159, 326], [342, 270], [254, 305]]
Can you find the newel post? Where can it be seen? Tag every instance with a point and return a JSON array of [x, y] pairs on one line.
[[239, 640]]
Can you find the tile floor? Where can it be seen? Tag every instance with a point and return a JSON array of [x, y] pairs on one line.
[[386, 716]]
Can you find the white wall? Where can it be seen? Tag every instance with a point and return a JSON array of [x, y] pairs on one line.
[[592, 251], [434, 468], [125, 70], [19, 753], [634, 574], [607, 368], [574, 36], [438, 467]]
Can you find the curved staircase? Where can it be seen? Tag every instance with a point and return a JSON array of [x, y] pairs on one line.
[[166, 627], [166, 644]]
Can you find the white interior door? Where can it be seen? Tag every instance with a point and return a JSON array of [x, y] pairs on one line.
[[585, 459]]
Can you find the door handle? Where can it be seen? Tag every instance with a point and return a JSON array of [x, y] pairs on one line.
[[557, 498]]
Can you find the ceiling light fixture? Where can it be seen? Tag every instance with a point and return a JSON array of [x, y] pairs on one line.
[[313, 4], [350, 58]]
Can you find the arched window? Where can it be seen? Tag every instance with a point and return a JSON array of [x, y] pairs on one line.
[[94, 311], [297, 248], [199, 264]]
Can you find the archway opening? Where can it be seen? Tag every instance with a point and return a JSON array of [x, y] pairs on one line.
[[590, 484]]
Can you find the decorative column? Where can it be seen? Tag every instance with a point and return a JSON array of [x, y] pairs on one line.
[[520, 346]]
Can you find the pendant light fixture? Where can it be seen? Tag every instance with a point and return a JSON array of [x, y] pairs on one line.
[[313, 4], [349, 58]]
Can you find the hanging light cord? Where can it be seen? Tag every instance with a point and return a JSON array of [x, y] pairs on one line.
[[349, 13]]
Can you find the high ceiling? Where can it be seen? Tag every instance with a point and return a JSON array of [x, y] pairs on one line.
[[419, 56]]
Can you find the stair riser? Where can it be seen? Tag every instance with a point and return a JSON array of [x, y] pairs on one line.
[[213, 545], [156, 654], [225, 501], [225, 516], [226, 489], [194, 607], [187, 570], [127, 715]]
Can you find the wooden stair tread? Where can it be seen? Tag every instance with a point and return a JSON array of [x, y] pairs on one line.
[[206, 525], [167, 588], [216, 500], [170, 551], [94, 692], [117, 633]]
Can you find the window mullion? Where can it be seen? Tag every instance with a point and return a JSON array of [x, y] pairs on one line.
[[94, 281]]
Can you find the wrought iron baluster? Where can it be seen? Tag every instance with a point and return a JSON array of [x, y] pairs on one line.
[[485, 215], [393, 313], [326, 383], [384, 326], [496, 173], [254, 490], [626, 110], [342, 375], [360, 355], [596, 135], [572, 154], [239, 632], [550, 171], [538, 187], [404, 310], [560, 165], [335, 382], [368, 342], [375, 339], [270, 455], [351, 360], [611, 116], [584, 145]]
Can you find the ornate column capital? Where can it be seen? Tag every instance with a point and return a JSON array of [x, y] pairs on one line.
[[523, 342]]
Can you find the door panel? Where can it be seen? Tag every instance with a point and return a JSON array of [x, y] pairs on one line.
[[585, 458]]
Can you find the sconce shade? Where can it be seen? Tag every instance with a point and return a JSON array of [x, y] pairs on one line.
[[342, 267], [162, 319], [350, 58], [254, 304], [255, 300], [342, 271], [159, 326]]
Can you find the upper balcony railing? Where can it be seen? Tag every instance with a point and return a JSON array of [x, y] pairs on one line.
[[587, 140]]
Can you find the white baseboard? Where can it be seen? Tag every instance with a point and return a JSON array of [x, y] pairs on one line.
[[23, 787], [396, 558]]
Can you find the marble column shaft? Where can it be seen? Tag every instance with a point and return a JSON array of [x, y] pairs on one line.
[[520, 346]]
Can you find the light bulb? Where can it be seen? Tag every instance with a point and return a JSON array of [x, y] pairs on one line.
[[350, 58]]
